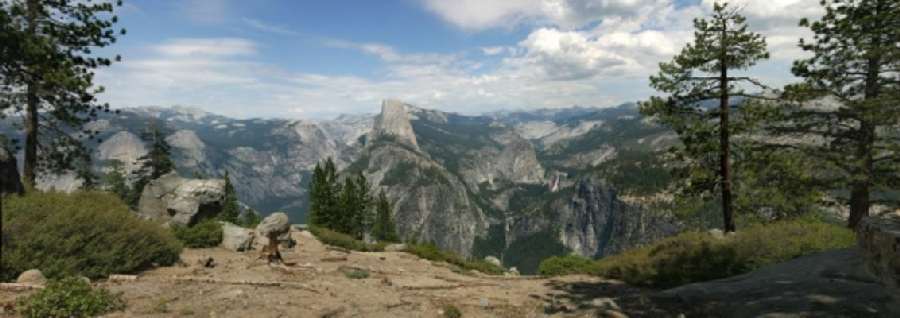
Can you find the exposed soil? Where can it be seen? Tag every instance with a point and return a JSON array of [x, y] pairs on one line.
[[319, 284], [323, 281]]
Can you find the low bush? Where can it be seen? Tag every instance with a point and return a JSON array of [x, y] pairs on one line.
[[451, 311], [433, 253], [695, 256], [354, 272], [85, 233], [344, 241], [207, 233], [69, 297], [567, 265]]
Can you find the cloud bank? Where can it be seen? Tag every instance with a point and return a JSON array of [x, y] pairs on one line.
[[576, 52]]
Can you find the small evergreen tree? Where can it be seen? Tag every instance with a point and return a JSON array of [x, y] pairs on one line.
[[114, 181], [231, 209], [384, 228], [249, 218], [702, 72], [156, 163]]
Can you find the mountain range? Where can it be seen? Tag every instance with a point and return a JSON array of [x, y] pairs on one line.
[[518, 185]]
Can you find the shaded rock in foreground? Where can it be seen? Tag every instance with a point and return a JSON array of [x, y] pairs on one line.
[[828, 284]]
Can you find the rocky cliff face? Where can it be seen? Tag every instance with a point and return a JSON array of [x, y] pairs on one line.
[[394, 121], [430, 203], [475, 185], [593, 222]]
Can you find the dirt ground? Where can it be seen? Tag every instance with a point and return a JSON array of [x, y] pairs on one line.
[[319, 284]]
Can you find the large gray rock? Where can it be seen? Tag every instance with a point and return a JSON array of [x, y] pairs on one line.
[[32, 276], [879, 243], [493, 260], [10, 182], [274, 225], [176, 200], [236, 238], [829, 284]]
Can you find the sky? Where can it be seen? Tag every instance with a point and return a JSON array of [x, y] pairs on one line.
[[319, 59]]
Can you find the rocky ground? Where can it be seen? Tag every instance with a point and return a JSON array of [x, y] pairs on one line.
[[324, 281]]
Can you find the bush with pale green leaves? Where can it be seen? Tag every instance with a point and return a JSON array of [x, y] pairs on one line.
[[69, 297], [84, 233]]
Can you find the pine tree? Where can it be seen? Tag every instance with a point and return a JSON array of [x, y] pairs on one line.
[[114, 181], [47, 75], [156, 163], [323, 196], [231, 209], [700, 73], [856, 61], [384, 229], [347, 212], [250, 218]]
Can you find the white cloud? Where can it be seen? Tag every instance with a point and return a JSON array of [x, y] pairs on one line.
[[206, 47], [266, 27], [475, 15], [582, 52]]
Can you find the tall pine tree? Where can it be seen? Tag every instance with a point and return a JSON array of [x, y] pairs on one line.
[[703, 72], [856, 60], [48, 72], [323, 193]]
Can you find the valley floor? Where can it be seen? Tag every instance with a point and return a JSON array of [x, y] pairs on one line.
[[402, 285]]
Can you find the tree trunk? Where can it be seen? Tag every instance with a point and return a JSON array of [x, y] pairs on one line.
[[859, 193], [724, 144], [31, 111]]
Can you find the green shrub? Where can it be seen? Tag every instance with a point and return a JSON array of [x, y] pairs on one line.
[[342, 240], [567, 265], [433, 253], [354, 273], [207, 233], [84, 233], [451, 311], [694, 256], [68, 298]]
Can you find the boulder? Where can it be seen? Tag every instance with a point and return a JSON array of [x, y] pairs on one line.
[[395, 248], [32, 277], [10, 182], [181, 201], [236, 238], [879, 242], [274, 225], [493, 260]]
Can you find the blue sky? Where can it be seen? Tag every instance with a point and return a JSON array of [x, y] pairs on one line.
[[317, 59]]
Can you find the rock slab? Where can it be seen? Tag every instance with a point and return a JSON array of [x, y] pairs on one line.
[[879, 241], [236, 238], [181, 201]]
